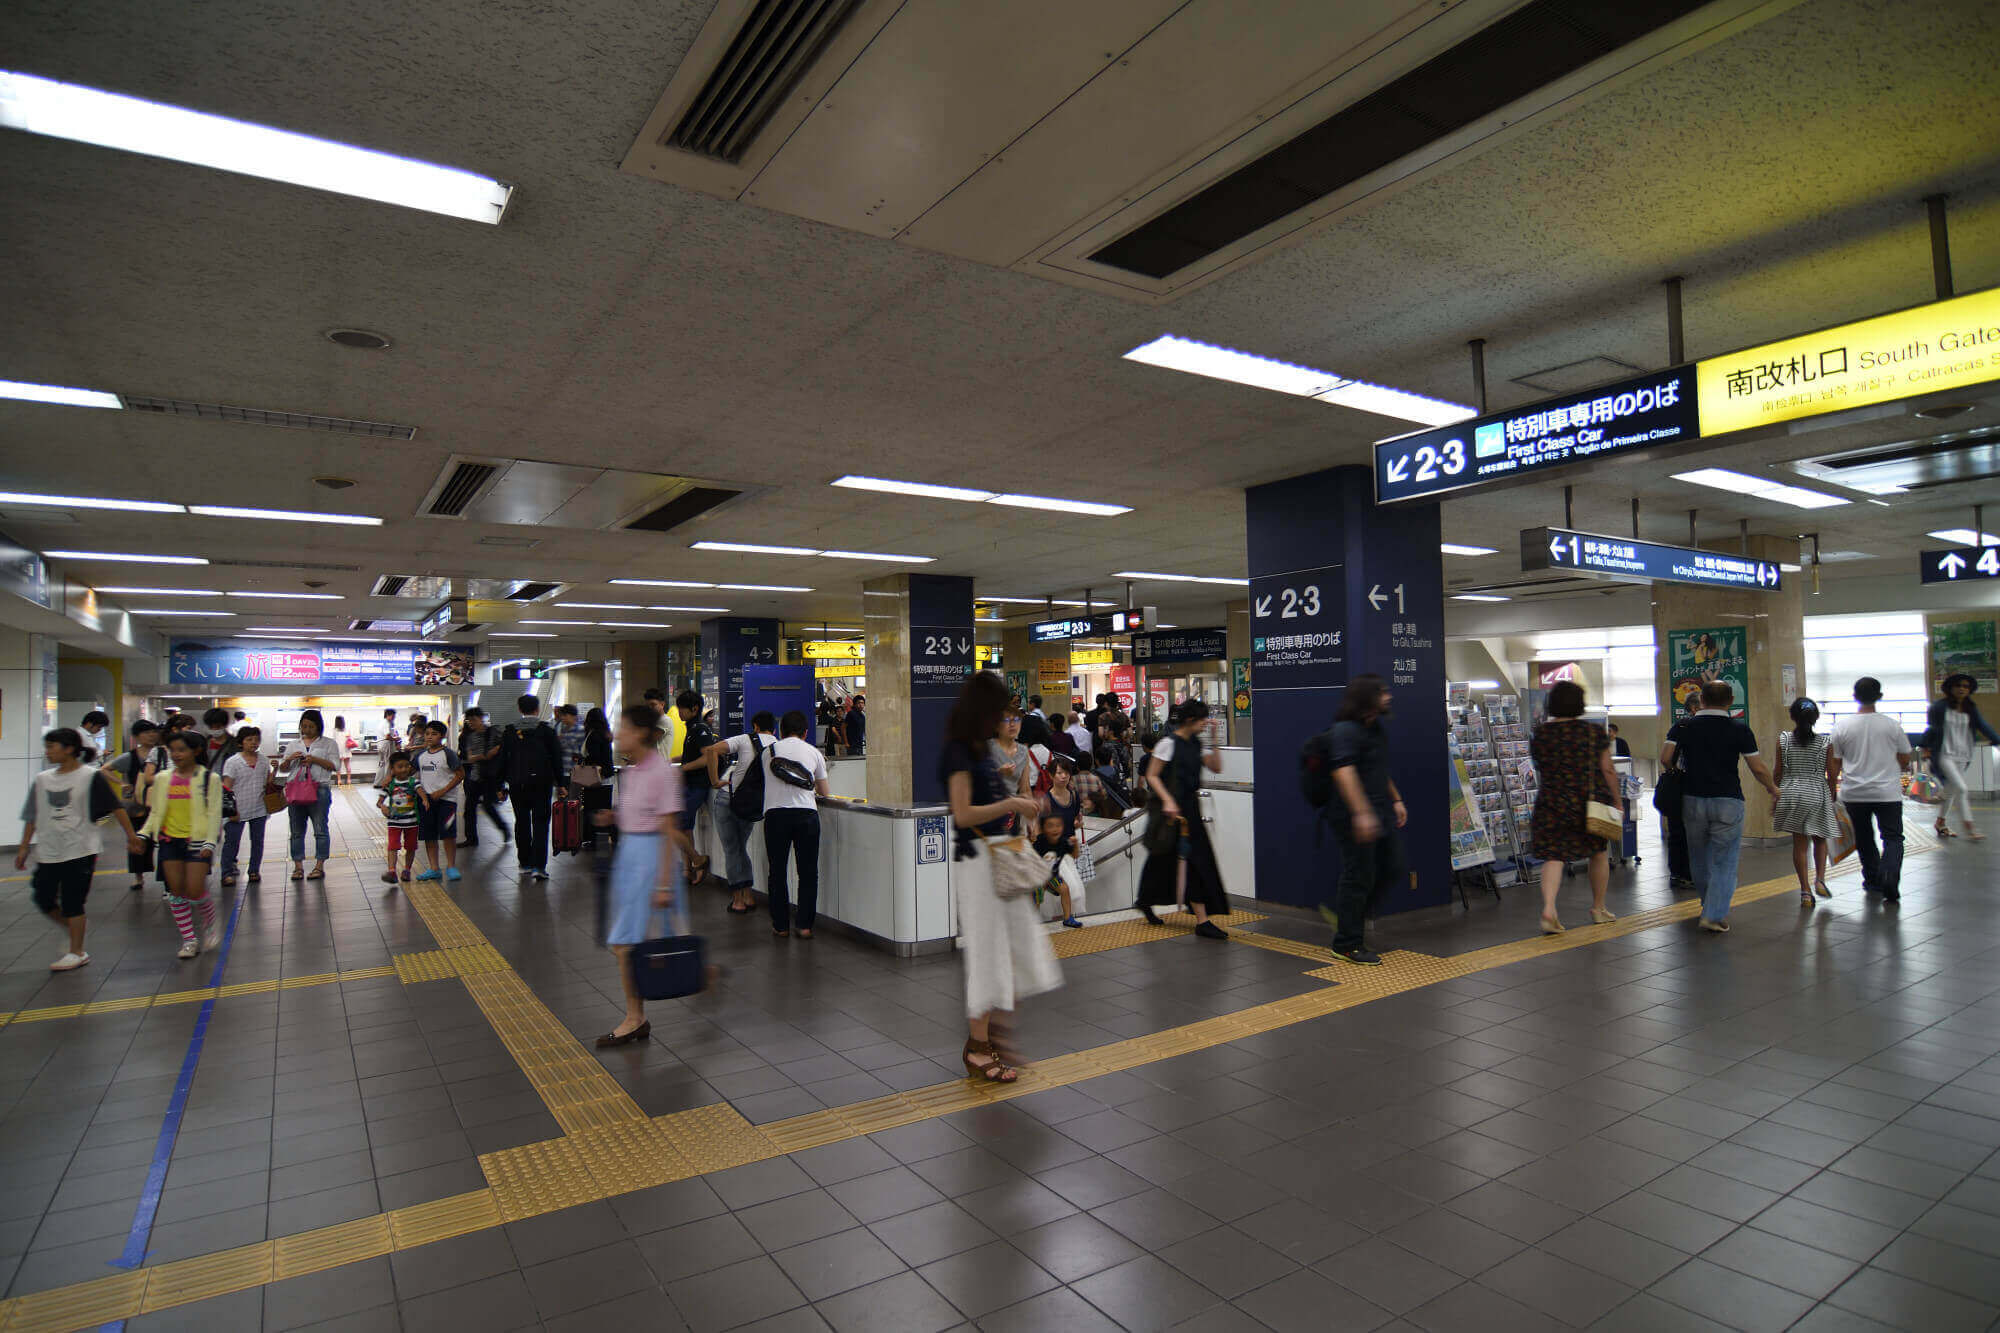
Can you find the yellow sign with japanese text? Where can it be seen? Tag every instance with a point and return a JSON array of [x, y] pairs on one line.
[[1944, 345], [846, 649], [839, 671], [1079, 657]]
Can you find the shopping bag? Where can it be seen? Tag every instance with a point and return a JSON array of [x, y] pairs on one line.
[[1017, 871], [1843, 838], [1925, 789], [668, 968], [1086, 864], [1603, 821]]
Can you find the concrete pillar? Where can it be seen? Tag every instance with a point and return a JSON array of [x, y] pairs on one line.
[[1771, 626], [920, 640], [1236, 620]]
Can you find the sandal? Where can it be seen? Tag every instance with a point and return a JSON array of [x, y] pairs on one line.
[[734, 910], [229, 880], [992, 1068], [318, 871], [1806, 899], [1821, 890], [1551, 926], [1000, 1037], [298, 871]]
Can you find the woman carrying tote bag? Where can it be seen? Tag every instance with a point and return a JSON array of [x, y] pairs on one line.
[[1007, 952]]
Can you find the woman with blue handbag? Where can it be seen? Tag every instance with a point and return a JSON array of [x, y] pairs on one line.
[[645, 878]]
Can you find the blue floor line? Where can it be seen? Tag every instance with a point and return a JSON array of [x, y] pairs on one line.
[[170, 1128]]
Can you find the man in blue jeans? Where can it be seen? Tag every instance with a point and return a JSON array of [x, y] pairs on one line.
[[531, 760], [1874, 753], [1707, 746]]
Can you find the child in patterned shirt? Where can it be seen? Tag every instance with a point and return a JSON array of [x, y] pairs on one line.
[[401, 804]]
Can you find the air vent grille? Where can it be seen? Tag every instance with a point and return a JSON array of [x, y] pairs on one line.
[[529, 592], [1535, 45], [257, 416], [460, 487], [690, 503], [773, 49], [389, 585]]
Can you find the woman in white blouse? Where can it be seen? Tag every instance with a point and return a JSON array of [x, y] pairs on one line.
[[315, 755]]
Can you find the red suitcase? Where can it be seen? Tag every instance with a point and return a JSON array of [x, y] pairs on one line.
[[566, 826]]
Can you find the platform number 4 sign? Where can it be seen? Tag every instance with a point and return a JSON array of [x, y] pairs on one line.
[[1960, 566]]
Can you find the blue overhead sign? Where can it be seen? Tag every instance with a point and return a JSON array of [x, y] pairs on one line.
[[1084, 627], [1959, 566], [1179, 645], [1640, 413], [1632, 561]]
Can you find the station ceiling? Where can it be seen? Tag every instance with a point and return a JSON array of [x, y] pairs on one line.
[[613, 321]]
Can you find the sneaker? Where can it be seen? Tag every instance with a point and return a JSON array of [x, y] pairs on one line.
[[389, 877], [69, 962], [1719, 927], [542, 875], [1681, 885], [406, 874], [1072, 923], [1208, 930], [451, 872], [1359, 957], [189, 948], [429, 874]]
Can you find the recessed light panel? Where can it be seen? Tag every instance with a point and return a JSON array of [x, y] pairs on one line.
[[1138, 576], [286, 515], [91, 502], [127, 558], [1761, 488]]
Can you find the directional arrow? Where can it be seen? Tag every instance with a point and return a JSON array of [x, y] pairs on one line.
[[1399, 469], [1376, 597], [965, 645], [1263, 607], [1951, 564], [1555, 548]]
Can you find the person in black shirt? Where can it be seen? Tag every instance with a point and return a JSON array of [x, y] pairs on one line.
[[1366, 816], [1707, 747], [696, 738], [531, 760], [1620, 747], [857, 726], [1183, 867]]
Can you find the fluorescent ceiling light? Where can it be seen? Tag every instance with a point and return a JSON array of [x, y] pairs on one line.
[[1397, 403], [599, 606], [878, 555], [1791, 569], [1965, 537], [558, 622], [159, 592], [1060, 506], [1262, 372], [1454, 548], [1761, 488], [1482, 684], [1166, 627], [516, 634], [166, 611], [1031, 601], [90, 502], [288, 629], [717, 610], [127, 558], [294, 596], [917, 488], [285, 515], [1139, 576], [614, 624], [1171, 352], [759, 587], [1478, 597], [51, 393], [664, 583], [109, 120], [752, 548]]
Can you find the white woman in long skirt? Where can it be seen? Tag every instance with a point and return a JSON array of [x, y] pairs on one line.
[[645, 877], [1007, 952]]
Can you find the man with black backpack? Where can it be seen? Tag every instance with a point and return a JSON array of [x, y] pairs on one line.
[[531, 761], [736, 772], [1344, 775]]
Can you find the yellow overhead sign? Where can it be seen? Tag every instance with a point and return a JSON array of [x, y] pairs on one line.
[[985, 653], [849, 649], [844, 670], [1944, 345], [1091, 657], [1050, 667]]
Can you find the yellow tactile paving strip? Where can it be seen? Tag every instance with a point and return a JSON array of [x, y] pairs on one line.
[[1119, 934], [628, 1152], [190, 996]]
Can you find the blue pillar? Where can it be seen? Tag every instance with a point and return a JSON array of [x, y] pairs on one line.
[[728, 644], [941, 657], [1339, 587]]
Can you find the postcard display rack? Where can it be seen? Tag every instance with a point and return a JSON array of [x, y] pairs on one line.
[[1493, 741]]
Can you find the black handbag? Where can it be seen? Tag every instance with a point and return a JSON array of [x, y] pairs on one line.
[[1667, 793], [669, 968], [1163, 833]]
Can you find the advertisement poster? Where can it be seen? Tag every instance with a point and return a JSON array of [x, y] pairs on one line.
[[1017, 684], [1471, 845], [1239, 686], [1697, 656], [1965, 646], [1124, 684], [192, 662]]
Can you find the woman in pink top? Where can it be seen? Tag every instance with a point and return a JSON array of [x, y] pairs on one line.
[[644, 878]]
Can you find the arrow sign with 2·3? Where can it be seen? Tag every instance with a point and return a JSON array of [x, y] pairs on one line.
[[940, 660], [1959, 566], [1298, 629]]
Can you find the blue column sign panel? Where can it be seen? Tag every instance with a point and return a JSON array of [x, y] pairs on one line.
[[1964, 565], [1298, 629], [1364, 587], [728, 645], [779, 690], [941, 657]]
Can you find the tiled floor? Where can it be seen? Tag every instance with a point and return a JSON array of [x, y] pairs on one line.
[[1795, 1125]]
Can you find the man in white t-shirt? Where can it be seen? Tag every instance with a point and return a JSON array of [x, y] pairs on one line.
[[64, 806], [1079, 733], [794, 780], [730, 763], [1874, 752]]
